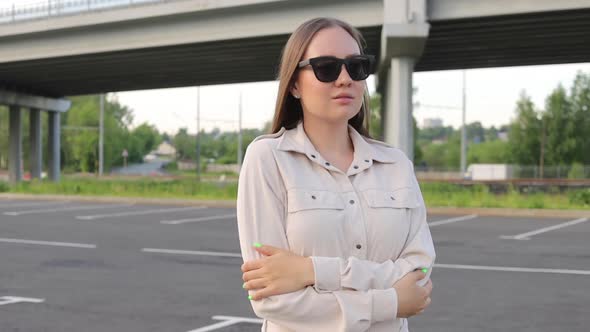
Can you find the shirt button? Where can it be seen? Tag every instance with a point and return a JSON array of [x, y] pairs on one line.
[[313, 155], [312, 196], [393, 199], [366, 160], [351, 201], [356, 167], [358, 246], [327, 163]]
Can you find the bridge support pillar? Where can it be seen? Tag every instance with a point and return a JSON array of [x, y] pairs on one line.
[[15, 145], [402, 42], [36, 146], [54, 146], [55, 106]]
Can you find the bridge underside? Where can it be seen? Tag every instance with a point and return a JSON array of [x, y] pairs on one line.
[[512, 40]]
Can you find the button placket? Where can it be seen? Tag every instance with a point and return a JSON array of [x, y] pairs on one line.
[[358, 226]]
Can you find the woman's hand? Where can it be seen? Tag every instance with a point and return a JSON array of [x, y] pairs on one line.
[[278, 272], [411, 298]]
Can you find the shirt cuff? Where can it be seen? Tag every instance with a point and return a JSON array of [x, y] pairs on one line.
[[326, 273], [384, 304]]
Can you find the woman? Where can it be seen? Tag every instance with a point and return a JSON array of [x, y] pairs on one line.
[[332, 223]]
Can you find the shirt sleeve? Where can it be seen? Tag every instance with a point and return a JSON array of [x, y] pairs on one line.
[[261, 217], [335, 273]]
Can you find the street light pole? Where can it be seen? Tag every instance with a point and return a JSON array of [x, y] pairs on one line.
[[198, 156], [463, 133], [101, 137]]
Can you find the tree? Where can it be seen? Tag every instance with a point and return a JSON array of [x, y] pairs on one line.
[[580, 108], [525, 133], [558, 129]]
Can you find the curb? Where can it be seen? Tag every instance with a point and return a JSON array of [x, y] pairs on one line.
[[488, 212]]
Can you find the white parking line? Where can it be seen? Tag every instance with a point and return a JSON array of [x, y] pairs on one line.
[[48, 243], [227, 321], [138, 213], [16, 299], [84, 207], [451, 220], [191, 252], [32, 204], [527, 235], [183, 221], [511, 269]]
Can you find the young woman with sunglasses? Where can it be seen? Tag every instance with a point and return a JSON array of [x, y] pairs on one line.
[[332, 224]]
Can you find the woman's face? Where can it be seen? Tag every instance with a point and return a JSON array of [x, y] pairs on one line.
[[321, 100]]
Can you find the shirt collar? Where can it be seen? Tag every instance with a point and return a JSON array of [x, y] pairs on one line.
[[364, 148]]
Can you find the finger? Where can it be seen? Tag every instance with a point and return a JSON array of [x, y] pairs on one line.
[[428, 287], [252, 265], [417, 275], [250, 275], [263, 293], [255, 284], [267, 250]]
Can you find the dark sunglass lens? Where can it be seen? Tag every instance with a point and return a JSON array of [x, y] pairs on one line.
[[326, 70], [359, 68]]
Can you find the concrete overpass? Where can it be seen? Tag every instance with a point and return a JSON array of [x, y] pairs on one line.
[[177, 43]]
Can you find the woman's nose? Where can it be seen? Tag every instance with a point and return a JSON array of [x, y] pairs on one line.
[[344, 77]]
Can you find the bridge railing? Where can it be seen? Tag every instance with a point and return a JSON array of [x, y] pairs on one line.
[[51, 8]]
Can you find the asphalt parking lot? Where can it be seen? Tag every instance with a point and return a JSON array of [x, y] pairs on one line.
[[73, 266]]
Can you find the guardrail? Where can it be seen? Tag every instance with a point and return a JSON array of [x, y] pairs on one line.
[[52, 8]]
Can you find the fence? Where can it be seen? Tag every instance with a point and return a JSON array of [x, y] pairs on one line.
[[51, 8]]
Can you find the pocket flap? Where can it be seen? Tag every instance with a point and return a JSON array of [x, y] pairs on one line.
[[397, 198], [306, 199]]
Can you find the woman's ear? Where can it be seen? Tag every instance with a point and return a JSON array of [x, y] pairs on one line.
[[295, 91]]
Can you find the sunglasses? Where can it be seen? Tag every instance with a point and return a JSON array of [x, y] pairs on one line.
[[327, 68]]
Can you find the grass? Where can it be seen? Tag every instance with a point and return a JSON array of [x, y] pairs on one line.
[[142, 187], [435, 194]]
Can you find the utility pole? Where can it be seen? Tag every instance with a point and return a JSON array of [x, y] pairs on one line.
[[198, 156], [240, 133], [101, 137], [542, 156], [463, 133]]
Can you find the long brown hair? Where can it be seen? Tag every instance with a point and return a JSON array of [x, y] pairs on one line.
[[288, 109]]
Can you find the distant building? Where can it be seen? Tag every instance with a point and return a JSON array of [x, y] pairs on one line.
[[503, 136], [165, 149], [432, 123]]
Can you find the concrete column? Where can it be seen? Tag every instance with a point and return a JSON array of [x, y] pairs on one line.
[[54, 146], [399, 126], [404, 34], [35, 143], [15, 145]]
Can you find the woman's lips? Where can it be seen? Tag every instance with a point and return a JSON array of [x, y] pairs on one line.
[[343, 100]]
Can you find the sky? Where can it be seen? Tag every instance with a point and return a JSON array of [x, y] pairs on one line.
[[491, 97]]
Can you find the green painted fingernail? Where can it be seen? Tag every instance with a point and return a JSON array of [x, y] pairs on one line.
[[244, 285], [250, 297], [257, 245], [425, 270]]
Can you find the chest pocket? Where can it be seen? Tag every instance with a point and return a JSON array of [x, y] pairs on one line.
[[306, 199], [398, 198]]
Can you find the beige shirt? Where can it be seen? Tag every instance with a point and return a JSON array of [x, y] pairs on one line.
[[364, 230]]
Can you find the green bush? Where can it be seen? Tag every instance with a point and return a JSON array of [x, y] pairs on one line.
[[580, 197], [576, 172], [4, 187]]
